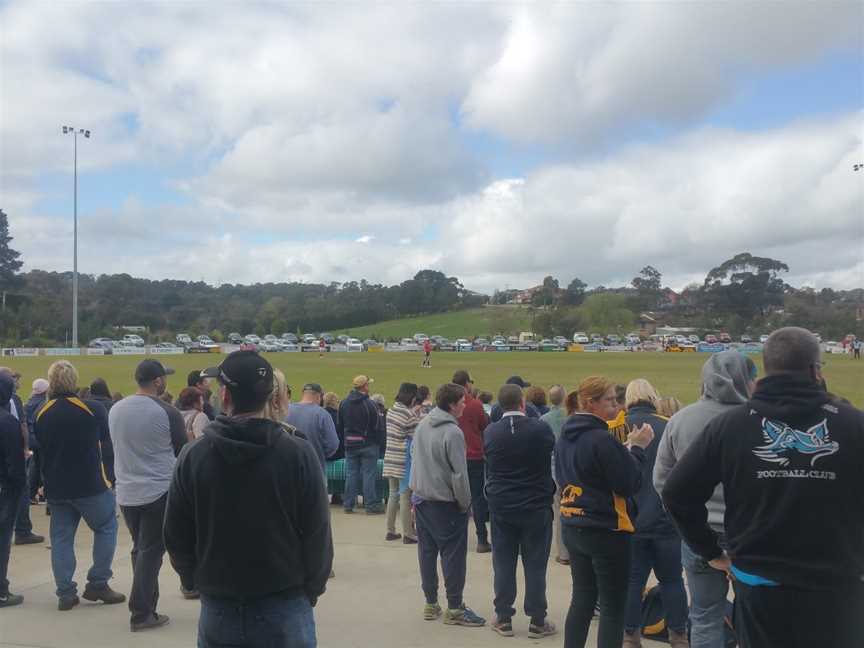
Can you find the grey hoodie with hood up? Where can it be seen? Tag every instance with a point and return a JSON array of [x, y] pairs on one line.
[[725, 378], [439, 468]]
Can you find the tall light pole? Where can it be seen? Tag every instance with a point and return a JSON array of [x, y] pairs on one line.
[[86, 133]]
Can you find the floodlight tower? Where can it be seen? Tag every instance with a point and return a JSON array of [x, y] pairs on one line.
[[86, 133]]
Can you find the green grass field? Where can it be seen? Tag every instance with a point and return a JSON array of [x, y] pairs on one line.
[[674, 374], [488, 321]]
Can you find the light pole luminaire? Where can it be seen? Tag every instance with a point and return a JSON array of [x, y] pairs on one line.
[[85, 133]]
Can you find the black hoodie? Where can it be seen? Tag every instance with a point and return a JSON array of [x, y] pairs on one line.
[[360, 423], [11, 443], [598, 476], [247, 513], [791, 462]]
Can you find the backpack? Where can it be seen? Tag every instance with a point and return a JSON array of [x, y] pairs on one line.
[[654, 619]]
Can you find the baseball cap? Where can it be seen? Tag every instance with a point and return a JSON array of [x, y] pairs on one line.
[[517, 380], [40, 386], [243, 372], [313, 387], [361, 381], [149, 370]]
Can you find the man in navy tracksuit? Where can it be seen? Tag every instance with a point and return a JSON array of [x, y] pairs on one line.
[[12, 484], [791, 461], [519, 489]]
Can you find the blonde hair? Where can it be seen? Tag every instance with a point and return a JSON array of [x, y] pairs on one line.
[[379, 398], [640, 391], [591, 388], [331, 400], [668, 405], [536, 395], [557, 395], [276, 408], [62, 378]]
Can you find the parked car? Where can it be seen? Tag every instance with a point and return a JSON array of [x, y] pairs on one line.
[[183, 339], [268, 346], [693, 339], [499, 339], [328, 338], [354, 344], [711, 339], [725, 338], [270, 338], [462, 344], [369, 342], [531, 345], [133, 340], [560, 340], [633, 340], [481, 342], [106, 344], [288, 346], [597, 339], [343, 339], [252, 339], [167, 345], [513, 339], [206, 340], [581, 338], [763, 339], [613, 339], [235, 338], [834, 347], [746, 339], [308, 338], [420, 338], [290, 337], [407, 341]]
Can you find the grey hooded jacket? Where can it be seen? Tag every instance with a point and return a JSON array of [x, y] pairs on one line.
[[439, 469], [725, 378]]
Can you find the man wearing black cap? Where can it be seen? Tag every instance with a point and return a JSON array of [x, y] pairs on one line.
[[247, 522], [195, 379], [147, 434], [314, 422], [530, 410]]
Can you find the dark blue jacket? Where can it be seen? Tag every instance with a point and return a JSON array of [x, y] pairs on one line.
[[360, 423], [651, 519], [598, 476], [77, 455], [518, 453], [11, 442], [497, 412], [30, 409]]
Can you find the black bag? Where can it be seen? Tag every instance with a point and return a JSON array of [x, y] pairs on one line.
[[654, 619]]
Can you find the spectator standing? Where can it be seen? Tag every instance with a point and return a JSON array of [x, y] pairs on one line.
[[99, 392], [598, 478], [34, 472], [520, 489], [536, 395], [23, 526], [856, 348], [247, 522], [13, 480], [361, 427], [655, 544], [191, 406], [78, 469], [668, 406], [728, 379], [442, 497], [147, 434], [555, 418], [331, 406], [401, 422], [618, 424], [530, 409], [789, 460], [472, 422], [486, 398], [424, 403], [315, 423], [202, 384]]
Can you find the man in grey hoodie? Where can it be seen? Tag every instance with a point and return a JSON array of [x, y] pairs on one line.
[[728, 379], [442, 497]]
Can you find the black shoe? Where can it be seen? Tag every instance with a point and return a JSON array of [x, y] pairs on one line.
[[189, 595], [104, 594], [156, 621], [484, 547], [11, 600], [67, 602], [393, 536], [375, 510], [409, 540], [30, 538]]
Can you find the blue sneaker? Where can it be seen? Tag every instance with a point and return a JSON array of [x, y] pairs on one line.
[[463, 616]]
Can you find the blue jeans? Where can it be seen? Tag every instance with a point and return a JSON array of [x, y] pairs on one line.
[[708, 590], [664, 556], [8, 511], [361, 468], [99, 513], [271, 622], [405, 484]]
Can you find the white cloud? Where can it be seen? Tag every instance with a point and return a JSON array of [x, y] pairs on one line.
[[366, 238]]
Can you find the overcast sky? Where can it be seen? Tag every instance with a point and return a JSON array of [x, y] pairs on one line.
[[244, 142]]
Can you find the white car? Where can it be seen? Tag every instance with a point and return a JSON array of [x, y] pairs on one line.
[[633, 340], [354, 344], [130, 339], [265, 345], [420, 338], [834, 347], [464, 345], [183, 339], [763, 339], [252, 339], [581, 338]]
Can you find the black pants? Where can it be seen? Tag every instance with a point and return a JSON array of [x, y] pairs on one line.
[[530, 534], [145, 526], [34, 473], [9, 500], [600, 567], [785, 617], [442, 528], [479, 507]]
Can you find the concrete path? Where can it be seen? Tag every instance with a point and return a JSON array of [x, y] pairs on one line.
[[375, 599]]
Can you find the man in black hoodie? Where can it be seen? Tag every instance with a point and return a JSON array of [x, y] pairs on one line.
[[791, 461], [363, 428], [247, 521], [519, 489], [12, 483]]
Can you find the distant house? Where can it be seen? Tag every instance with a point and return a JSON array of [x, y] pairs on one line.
[[526, 296], [647, 325]]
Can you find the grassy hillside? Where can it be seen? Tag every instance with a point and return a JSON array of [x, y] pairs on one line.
[[487, 321]]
